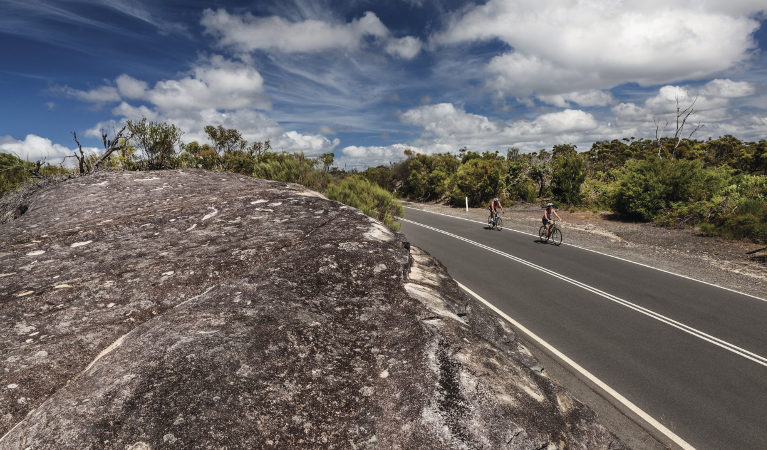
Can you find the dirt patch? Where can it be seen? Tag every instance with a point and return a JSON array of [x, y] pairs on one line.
[[738, 265]]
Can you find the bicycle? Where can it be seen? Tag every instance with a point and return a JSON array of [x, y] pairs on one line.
[[555, 234], [495, 222]]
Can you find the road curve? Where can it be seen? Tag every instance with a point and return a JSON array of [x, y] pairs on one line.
[[691, 355]]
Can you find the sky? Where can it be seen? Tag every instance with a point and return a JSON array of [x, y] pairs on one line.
[[368, 79]]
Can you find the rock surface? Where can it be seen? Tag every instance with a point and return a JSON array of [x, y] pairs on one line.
[[202, 309]]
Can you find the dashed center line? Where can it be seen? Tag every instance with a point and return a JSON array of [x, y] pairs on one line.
[[613, 298]]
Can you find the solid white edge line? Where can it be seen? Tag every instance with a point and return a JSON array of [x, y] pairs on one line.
[[613, 298], [575, 366], [603, 254]]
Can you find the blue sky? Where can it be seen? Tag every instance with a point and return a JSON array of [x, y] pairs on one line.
[[369, 79]]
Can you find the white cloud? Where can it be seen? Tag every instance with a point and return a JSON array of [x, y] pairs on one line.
[[569, 121], [447, 128], [218, 84], [103, 94], [130, 112], [444, 119], [713, 108], [630, 111], [582, 98], [248, 33], [406, 48], [34, 148], [130, 88], [558, 46], [355, 156], [311, 145], [728, 89]]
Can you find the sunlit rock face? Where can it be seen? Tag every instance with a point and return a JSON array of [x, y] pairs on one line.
[[201, 309]]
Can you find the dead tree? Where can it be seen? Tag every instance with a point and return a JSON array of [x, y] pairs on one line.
[[35, 171], [110, 146], [681, 120]]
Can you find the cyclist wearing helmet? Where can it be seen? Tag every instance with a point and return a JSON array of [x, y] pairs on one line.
[[494, 205], [548, 217]]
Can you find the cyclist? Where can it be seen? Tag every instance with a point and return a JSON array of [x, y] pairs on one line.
[[548, 217], [494, 205]]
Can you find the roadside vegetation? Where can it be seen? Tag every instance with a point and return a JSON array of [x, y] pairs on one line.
[[718, 185]]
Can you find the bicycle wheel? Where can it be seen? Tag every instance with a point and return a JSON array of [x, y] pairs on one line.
[[556, 236], [499, 223], [542, 233]]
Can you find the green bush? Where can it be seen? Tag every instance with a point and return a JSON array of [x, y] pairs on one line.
[[291, 168], [567, 178], [525, 190], [370, 198], [13, 173], [478, 179], [656, 187], [426, 177], [640, 194], [382, 176]]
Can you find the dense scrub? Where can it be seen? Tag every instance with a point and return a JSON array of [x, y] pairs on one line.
[[719, 185]]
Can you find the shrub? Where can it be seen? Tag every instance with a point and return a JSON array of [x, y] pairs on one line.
[[13, 173], [525, 190], [640, 194], [370, 198], [567, 178], [655, 187], [291, 168], [158, 141], [478, 179]]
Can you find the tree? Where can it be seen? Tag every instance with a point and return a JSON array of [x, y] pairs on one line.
[[204, 156], [327, 161], [157, 140], [682, 114], [567, 178], [226, 140], [479, 180]]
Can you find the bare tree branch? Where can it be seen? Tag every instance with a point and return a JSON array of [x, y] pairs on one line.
[[659, 134], [110, 146], [81, 158], [35, 172]]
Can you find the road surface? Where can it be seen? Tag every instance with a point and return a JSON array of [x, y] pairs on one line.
[[693, 356]]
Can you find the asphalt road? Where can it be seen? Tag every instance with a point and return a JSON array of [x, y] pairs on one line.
[[691, 355]]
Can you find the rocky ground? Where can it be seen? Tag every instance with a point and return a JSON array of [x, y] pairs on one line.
[[738, 265], [183, 309]]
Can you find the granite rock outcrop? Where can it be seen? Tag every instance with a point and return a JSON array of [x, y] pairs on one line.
[[182, 309]]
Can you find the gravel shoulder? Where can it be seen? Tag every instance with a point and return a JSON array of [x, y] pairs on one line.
[[737, 265]]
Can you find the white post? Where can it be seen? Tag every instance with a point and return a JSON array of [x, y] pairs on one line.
[[467, 204]]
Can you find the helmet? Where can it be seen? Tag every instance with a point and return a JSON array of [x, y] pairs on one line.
[[495, 199], [549, 204]]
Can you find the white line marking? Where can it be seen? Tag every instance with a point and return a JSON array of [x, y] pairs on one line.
[[601, 253], [640, 309], [599, 383]]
